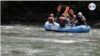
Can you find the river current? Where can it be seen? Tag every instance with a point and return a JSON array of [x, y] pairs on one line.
[[35, 41]]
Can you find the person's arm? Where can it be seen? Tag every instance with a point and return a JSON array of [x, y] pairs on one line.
[[75, 19], [67, 22], [53, 20]]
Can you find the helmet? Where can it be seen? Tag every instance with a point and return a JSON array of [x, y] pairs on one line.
[[80, 13], [74, 16], [63, 15], [51, 15]]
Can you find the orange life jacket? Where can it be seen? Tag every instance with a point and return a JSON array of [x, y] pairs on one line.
[[62, 19], [50, 19]]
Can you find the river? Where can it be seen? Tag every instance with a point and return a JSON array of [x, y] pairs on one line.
[[35, 41]]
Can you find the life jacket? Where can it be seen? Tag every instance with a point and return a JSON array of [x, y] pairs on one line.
[[50, 19], [62, 19]]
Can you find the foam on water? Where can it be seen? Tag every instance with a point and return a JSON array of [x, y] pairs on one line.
[[52, 40], [27, 28]]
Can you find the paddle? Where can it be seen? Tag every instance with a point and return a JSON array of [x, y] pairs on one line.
[[71, 11], [58, 9], [68, 11]]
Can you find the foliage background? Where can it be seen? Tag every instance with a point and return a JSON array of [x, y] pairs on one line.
[[34, 12]]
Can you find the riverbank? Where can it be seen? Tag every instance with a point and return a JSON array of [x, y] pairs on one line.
[[33, 19], [17, 23]]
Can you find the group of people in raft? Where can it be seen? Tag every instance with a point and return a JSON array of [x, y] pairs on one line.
[[65, 20]]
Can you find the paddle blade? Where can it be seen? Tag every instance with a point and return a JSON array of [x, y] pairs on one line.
[[67, 11], [71, 11], [67, 8], [59, 8]]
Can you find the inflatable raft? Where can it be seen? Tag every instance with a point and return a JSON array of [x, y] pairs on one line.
[[56, 27]]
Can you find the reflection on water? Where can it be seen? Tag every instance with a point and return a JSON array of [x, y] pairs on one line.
[[35, 41]]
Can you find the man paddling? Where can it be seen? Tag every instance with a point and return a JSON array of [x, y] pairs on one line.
[[81, 19]]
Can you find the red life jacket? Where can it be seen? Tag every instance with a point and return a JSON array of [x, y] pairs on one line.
[[62, 19], [50, 19]]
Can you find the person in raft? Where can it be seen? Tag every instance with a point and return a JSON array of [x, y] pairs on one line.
[[63, 20], [51, 19], [74, 22], [81, 19]]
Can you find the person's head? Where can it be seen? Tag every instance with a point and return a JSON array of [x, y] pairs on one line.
[[79, 14], [74, 16], [63, 15], [51, 15]]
